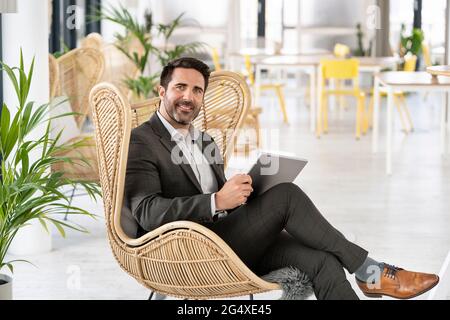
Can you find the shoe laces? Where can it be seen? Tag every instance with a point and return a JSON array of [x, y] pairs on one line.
[[391, 271]]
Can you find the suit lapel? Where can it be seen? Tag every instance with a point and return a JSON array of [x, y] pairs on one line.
[[185, 166], [169, 144], [205, 143], [202, 141]]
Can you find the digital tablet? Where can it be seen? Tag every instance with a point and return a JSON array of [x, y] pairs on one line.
[[271, 169]]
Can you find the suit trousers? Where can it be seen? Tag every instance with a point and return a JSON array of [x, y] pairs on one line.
[[281, 228]]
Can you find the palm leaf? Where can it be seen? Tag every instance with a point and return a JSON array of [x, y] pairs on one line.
[[30, 189]]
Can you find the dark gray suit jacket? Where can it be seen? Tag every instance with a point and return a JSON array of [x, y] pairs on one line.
[[157, 190]]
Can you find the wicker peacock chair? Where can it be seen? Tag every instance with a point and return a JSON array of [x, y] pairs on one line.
[[78, 71], [53, 73], [118, 67], [182, 258]]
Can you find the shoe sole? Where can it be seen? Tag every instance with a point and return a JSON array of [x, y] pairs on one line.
[[380, 295]]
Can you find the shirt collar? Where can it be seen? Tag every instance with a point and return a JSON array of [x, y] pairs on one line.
[[176, 135]]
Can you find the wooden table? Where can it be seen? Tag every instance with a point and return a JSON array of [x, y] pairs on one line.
[[390, 82], [439, 71]]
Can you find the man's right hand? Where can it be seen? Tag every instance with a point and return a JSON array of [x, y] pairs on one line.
[[234, 192]]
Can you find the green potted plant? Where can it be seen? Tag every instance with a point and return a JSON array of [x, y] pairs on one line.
[[360, 51], [411, 43], [29, 190]]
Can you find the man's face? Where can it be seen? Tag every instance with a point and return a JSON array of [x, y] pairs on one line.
[[184, 95]]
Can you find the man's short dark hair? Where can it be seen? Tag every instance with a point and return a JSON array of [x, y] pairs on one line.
[[185, 62]]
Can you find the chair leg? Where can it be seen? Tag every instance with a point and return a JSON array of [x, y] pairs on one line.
[[365, 121], [307, 95], [70, 202], [251, 296], [151, 295], [358, 120], [370, 113], [319, 117], [319, 123], [406, 110], [325, 113], [400, 112], [342, 102], [282, 103]]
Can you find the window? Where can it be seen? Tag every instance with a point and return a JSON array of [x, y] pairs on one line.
[[290, 19], [433, 23], [249, 22], [281, 23]]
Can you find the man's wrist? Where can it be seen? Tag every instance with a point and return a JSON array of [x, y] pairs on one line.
[[217, 202]]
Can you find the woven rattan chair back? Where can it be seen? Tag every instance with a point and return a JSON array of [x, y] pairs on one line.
[[182, 258], [79, 70], [93, 40], [118, 68], [53, 71]]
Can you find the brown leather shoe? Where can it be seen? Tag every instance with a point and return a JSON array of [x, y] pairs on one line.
[[399, 283]]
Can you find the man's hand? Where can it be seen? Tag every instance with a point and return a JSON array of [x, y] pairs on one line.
[[234, 192]]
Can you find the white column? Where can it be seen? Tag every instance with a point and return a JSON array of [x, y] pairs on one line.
[[447, 33], [28, 29], [376, 114], [444, 112], [312, 98], [389, 124], [233, 44]]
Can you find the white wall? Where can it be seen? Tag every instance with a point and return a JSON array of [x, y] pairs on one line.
[[332, 13], [28, 29]]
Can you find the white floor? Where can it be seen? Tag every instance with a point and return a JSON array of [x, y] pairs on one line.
[[402, 219]]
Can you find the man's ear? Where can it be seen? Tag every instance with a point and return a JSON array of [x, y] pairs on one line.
[[161, 91]]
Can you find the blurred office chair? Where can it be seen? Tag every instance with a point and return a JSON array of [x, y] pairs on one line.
[[399, 99], [340, 70], [276, 87], [216, 59], [341, 51], [118, 67], [76, 73]]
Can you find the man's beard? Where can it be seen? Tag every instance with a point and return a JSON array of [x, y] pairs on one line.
[[173, 115]]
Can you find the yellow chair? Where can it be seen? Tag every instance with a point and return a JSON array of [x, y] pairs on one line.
[[277, 87], [341, 51], [340, 70], [251, 119], [426, 54], [216, 60], [399, 98], [427, 59]]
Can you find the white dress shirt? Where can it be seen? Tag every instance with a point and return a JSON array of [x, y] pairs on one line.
[[193, 154]]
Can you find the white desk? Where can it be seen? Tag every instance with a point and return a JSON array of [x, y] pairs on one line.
[[389, 82], [310, 64], [258, 54]]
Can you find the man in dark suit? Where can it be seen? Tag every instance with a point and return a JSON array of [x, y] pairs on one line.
[[171, 177]]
